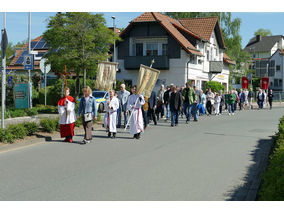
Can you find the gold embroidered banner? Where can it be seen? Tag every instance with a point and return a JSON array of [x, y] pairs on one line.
[[147, 79], [106, 75]]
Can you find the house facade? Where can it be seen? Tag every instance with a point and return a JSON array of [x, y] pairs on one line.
[[183, 50], [267, 59]]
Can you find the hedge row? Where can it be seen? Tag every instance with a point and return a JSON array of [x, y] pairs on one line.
[[13, 113], [272, 187], [20, 131]]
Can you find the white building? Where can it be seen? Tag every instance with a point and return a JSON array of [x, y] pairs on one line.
[[184, 50]]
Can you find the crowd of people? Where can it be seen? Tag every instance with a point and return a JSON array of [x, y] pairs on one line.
[[169, 104]]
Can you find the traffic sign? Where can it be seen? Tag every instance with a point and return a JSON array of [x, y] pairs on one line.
[[28, 62], [44, 67]]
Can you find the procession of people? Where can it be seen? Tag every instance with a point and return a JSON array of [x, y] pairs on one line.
[[138, 111]]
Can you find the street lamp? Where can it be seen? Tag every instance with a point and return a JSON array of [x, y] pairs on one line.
[[114, 31]]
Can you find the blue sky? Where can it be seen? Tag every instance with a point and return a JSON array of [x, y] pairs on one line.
[[17, 27]]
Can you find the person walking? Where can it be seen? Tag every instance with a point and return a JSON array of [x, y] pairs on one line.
[[209, 101], [66, 109], [166, 101], [160, 102], [88, 111], [250, 98], [260, 99], [189, 98], [175, 106], [134, 104], [122, 96], [270, 98], [231, 102], [265, 99], [241, 99], [203, 102], [222, 101], [246, 92], [111, 106], [152, 102], [195, 110], [217, 101], [145, 109]]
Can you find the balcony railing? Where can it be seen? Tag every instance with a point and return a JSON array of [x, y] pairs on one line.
[[215, 66], [133, 62]]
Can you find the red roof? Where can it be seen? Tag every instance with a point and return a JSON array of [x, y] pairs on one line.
[[170, 25], [228, 60]]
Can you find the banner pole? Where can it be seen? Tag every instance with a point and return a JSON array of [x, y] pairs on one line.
[[3, 79], [152, 62]]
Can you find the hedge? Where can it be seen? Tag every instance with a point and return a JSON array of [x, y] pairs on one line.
[[272, 187], [215, 86]]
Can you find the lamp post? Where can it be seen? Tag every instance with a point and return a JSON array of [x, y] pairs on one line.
[[114, 31], [29, 50], [3, 79]]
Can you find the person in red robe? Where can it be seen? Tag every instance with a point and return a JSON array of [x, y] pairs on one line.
[[66, 109]]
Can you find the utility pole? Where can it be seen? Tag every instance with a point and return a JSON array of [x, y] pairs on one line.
[[3, 78], [114, 30], [29, 71]]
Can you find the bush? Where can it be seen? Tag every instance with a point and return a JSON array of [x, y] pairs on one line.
[[6, 136], [31, 112], [18, 131], [215, 86], [46, 109], [31, 128], [48, 125], [272, 187], [17, 113]]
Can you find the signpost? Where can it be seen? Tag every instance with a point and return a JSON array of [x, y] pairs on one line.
[[28, 62], [45, 68]]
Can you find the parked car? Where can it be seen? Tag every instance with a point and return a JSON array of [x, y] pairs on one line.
[[101, 97]]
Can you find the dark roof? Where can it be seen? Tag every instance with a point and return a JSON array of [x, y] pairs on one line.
[[265, 44]]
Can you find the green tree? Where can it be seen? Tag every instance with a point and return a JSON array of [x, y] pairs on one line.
[[9, 52], [78, 40], [230, 30], [263, 32]]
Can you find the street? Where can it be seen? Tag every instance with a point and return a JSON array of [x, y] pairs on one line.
[[217, 158]]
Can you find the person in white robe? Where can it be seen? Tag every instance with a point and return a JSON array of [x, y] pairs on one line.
[[134, 104], [111, 106], [66, 110]]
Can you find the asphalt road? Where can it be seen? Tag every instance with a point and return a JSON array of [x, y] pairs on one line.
[[217, 158]]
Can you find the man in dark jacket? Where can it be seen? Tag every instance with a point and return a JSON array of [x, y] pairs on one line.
[[242, 99], [166, 101], [270, 98], [260, 99], [152, 101], [175, 106]]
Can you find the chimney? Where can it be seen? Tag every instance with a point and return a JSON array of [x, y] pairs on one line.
[[258, 38]]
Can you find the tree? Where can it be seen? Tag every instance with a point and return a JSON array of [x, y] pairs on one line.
[[78, 40], [263, 32], [230, 30], [9, 52]]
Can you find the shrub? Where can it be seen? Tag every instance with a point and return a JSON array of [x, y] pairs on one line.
[[272, 187], [215, 86], [6, 136], [31, 112], [18, 131], [17, 113], [56, 124], [48, 125], [46, 109], [31, 127], [78, 122]]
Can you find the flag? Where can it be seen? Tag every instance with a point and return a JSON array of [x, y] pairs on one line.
[[147, 79], [106, 75], [264, 83], [4, 43], [245, 82]]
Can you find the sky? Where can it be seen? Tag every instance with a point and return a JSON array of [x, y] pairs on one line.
[[17, 23]]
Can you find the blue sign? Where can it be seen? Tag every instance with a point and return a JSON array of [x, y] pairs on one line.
[[21, 94], [28, 62], [10, 81]]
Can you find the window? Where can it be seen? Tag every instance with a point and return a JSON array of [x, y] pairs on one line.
[[280, 82], [139, 49], [207, 54], [151, 49], [164, 49], [216, 52], [278, 68]]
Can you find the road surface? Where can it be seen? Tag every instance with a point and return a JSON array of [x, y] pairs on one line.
[[217, 158]]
